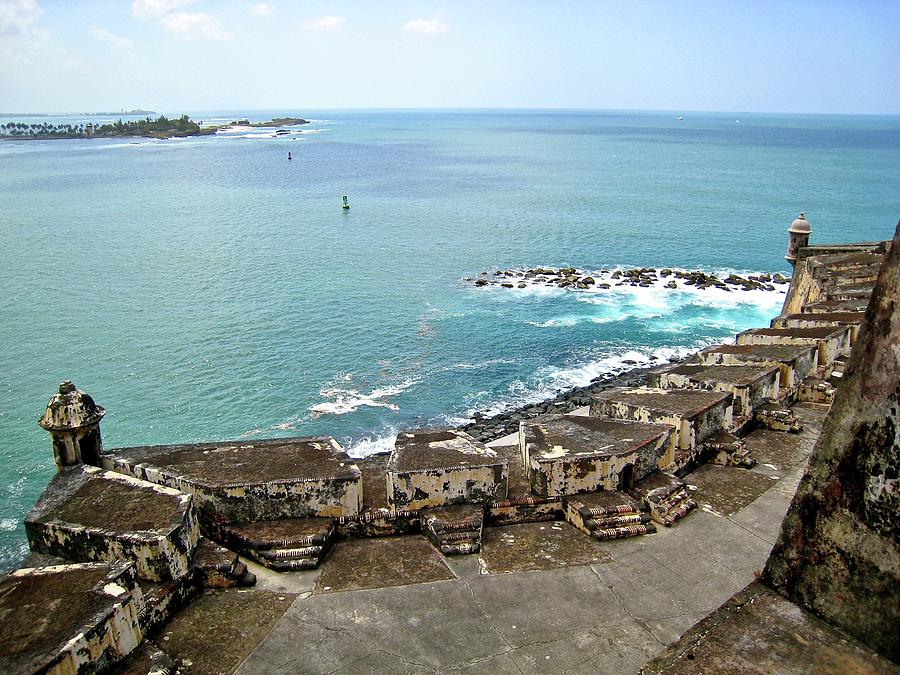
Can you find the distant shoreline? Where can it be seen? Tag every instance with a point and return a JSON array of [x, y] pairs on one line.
[[160, 128], [121, 113]]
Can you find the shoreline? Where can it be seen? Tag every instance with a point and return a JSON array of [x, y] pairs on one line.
[[487, 429]]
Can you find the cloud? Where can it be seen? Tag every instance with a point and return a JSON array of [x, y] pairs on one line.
[[426, 26], [17, 16], [194, 25], [144, 9], [262, 9], [20, 37], [325, 23], [103, 36]]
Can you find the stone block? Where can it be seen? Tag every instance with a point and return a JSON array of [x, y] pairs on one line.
[[750, 384], [831, 341], [88, 514], [695, 414], [569, 454], [68, 618], [245, 481], [794, 361], [439, 467]]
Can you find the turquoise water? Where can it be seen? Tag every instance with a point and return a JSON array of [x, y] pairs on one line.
[[208, 288]]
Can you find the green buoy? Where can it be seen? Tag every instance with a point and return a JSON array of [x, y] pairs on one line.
[[346, 203]]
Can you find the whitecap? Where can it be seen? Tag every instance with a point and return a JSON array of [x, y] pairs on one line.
[[347, 400], [370, 445]]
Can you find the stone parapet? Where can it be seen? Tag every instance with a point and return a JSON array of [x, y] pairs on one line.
[[832, 341], [750, 383], [440, 467], [695, 414], [68, 618], [568, 454], [245, 481], [87, 514]]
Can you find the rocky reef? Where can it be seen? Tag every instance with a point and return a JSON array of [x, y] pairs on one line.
[[645, 277]]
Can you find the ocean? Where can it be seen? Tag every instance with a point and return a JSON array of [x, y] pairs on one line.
[[211, 289]]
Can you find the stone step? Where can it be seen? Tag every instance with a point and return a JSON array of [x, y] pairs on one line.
[[454, 529], [623, 532], [88, 514], [831, 306], [749, 383], [76, 618], [665, 497], [795, 361], [617, 521], [815, 390], [441, 467], [850, 291], [776, 418], [726, 449], [248, 481], [216, 567], [853, 320], [283, 544], [673, 515], [693, 413], [570, 454], [612, 514], [831, 341], [281, 533]]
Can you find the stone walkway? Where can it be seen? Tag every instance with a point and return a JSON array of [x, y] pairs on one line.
[[540, 597]]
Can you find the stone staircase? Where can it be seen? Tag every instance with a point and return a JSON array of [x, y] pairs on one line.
[[284, 544], [665, 497], [608, 515], [454, 530]]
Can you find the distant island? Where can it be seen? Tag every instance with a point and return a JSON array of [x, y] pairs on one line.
[[161, 127], [127, 113], [274, 122]]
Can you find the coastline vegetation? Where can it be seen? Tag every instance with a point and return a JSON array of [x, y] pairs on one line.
[[161, 127]]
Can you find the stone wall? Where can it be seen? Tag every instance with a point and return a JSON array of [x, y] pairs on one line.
[[838, 553]]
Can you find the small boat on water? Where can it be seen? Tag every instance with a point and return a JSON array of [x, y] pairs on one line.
[[680, 118], [346, 203]]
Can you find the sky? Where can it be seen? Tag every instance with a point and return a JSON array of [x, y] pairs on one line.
[[684, 55]]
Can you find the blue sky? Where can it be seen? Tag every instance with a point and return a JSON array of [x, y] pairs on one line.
[[817, 57]]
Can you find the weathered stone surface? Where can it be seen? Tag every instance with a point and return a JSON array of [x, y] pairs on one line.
[[831, 341], [538, 546], [695, 414], [68, 618], [794, 361], [750, 384], [378, 563], [839, 549], [243, 481], [758, 631], [568, 454], [216, 632], [438, 467], [724, 489], [87, 514]]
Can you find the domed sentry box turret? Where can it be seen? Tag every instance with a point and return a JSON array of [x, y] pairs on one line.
[[73, 420], [798, 238]]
